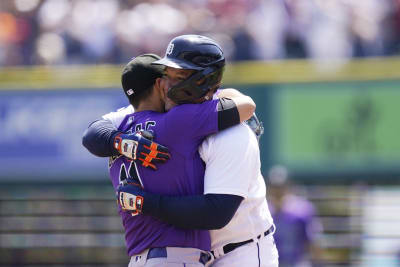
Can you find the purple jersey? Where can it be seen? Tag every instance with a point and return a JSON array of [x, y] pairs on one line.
[[182, 130]]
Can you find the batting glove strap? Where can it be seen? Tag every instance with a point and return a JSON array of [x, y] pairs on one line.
[[127, 145], [130, 198], [130, 202]]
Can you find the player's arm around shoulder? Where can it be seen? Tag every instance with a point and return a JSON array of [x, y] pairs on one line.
[[208, 117], [244, 104]]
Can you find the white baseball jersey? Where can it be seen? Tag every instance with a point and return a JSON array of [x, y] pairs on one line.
[[232, 160]]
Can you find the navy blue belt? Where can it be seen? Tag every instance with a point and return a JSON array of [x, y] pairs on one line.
[[157, 253], [232, 246], [162, 253]]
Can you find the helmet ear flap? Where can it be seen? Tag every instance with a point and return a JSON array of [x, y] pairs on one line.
[[215, 77], [196, 86]]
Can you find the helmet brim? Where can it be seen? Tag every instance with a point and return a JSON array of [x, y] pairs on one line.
[[176, 63]]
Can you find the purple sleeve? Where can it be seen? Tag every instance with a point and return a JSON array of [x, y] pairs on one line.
[[196, 120]]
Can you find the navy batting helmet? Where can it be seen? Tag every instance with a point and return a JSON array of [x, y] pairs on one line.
[[199, 53]]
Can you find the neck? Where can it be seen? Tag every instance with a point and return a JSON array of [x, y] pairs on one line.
[[148, 106], [152, 103]]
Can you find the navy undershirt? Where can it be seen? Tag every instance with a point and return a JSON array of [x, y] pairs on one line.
[[209, 212]]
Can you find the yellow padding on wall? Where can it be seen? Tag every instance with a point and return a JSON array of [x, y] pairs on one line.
[[252, 72]]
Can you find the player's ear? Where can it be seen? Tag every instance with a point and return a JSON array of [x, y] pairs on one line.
[[157, 83], [161, 85]]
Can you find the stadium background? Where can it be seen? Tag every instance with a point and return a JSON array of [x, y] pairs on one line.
[[325, 76]]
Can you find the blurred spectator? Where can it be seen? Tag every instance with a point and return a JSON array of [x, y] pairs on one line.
[[391, 33], [368, 22], [103, 31], [296, 222], [18, 31]]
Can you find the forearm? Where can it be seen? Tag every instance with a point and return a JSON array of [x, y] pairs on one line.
[[211, 211], [99, 137], [244, 104]]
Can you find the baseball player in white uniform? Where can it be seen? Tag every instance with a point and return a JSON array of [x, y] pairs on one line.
[[232, 160]]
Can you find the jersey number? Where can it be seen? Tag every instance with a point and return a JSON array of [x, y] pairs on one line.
[[147, 126], [132, 173]]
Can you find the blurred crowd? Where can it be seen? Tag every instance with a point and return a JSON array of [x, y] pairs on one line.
[[110, 31]]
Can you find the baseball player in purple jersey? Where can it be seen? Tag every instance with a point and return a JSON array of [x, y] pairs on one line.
[[149, 241]]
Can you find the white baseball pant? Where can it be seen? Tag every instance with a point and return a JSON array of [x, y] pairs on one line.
[[259, 253]]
